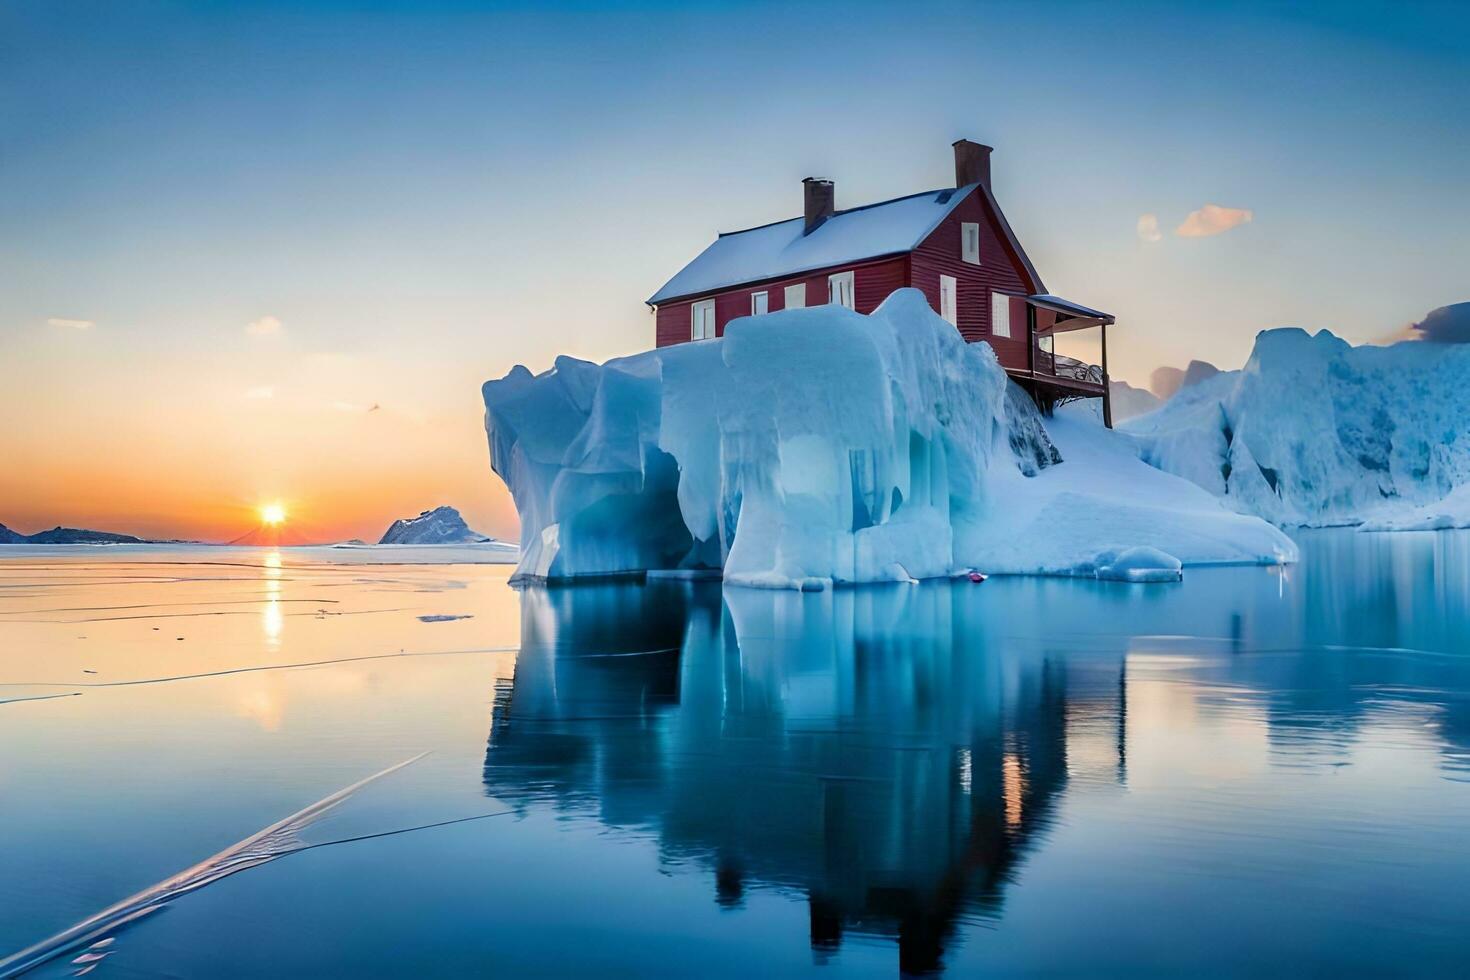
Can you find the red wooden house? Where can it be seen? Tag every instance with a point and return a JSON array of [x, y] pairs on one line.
[[953, 244]]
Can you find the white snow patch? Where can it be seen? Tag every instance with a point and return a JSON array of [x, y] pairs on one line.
[[1102, 498], [1442, 515]]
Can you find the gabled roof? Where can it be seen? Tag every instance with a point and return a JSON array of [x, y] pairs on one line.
[[778, 250]]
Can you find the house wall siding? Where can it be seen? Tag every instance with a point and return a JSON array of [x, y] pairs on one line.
[[1000, 270], [873, 280]]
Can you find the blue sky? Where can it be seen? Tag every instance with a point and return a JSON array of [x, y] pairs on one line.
[[422, 195]]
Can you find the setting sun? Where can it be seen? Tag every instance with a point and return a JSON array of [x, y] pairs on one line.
[[272, 514]]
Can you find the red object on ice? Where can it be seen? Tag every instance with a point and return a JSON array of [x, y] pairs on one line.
[[976, 577]]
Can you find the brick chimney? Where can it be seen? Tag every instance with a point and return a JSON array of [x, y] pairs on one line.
[[971, 163], [820, 199]]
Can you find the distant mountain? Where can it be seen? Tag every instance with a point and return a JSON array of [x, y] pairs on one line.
[[1198, 371], [68, 535], [80, 535], [1130, 402], [1166, 381], [271, 536], [442, 525]]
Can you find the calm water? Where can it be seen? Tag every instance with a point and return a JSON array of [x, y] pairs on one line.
[[1256, 772]]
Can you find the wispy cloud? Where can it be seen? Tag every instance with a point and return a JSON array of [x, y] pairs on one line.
[[1212, 219], [266, 326], [260, 392], [1148, 228], [65, 324]]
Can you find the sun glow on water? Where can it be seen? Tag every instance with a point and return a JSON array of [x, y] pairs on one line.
[[272, 618]]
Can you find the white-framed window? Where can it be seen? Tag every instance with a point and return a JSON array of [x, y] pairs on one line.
[[702, 320], [1000, 315], [970, 242], [841, 290], [796, 296], [760, 303], [949, 302]]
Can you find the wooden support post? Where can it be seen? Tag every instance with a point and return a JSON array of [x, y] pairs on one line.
[[1030, 339], [1107, 386]]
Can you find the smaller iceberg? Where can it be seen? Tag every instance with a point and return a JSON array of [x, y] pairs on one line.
[[1141, 564], [442, 525], [1315, 432]]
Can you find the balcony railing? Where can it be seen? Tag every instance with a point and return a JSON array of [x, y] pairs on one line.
[[1062, 366]]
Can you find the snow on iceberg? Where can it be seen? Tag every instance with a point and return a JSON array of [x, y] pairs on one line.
[[1314, 431], [818, 446]]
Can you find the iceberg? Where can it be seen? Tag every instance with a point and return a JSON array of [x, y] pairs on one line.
[[1141, 564], [1316, 432], [819, 446], [442, 525]]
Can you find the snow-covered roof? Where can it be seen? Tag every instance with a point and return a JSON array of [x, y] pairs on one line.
[[778, 250]]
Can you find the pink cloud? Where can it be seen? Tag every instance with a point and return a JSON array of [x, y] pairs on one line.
[[266, 326], [1212, 219]]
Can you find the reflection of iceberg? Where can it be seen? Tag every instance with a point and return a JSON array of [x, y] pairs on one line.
[[892, 755], [880, 751]]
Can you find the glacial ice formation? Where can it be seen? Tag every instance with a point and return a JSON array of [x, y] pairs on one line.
[[1141, 564], [818, 446], [1314, 432], [442, 525]]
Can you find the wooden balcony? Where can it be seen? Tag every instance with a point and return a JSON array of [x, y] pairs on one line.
[[1063, 372], [1052, 378]]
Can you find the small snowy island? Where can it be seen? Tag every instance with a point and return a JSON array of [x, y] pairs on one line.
[[442, 525], [819, 446]]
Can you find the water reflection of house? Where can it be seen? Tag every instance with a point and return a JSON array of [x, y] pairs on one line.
[[882, 752]]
